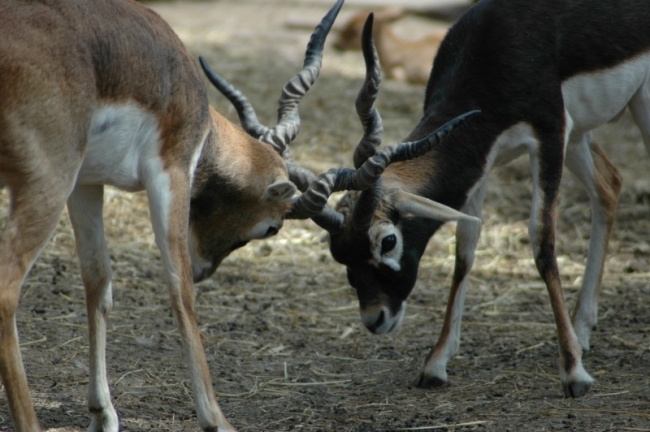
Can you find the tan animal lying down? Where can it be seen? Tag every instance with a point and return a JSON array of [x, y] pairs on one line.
[[401, 59]]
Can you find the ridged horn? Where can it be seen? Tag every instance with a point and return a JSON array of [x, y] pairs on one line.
[[288, 119], [365, 103], [314, 199]]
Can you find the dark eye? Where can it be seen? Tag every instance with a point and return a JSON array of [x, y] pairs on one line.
[[271, 231], [388, 243]]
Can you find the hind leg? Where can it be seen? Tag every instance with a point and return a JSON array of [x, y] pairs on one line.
[[85, 207], [36, 205], [586, 160]]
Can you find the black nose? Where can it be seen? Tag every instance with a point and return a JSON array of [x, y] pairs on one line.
[[380, 320]]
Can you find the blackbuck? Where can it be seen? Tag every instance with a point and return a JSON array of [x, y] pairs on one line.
[[543, 74], [101, 93], [402, 59]]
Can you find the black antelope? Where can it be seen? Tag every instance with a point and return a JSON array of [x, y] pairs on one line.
[[401, 59], [101, 93], [543, 74]]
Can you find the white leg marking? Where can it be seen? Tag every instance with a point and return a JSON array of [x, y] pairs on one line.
[[160, 191], [85, 209], [467, 235]]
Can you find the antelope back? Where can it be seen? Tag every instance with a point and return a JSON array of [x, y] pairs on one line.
[[119, 105]]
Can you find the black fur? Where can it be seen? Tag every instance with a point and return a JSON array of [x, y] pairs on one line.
[[507, 58]]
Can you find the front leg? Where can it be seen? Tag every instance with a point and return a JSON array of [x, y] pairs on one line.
[[546, 166], [434, 370], [169, 198]]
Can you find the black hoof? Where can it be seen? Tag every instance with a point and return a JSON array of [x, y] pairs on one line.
[[426, 382], [577, 389]]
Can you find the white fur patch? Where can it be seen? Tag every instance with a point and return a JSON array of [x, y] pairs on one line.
[[195, 157], [390, 322], [513, 142], [392, 258], [121, 138], [595, 98], [260, 230]]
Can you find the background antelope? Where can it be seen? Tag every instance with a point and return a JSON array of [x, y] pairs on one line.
[[401, 59], [542, 81], [101, 93]]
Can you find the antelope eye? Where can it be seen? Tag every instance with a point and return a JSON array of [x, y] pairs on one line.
[[388, 243]]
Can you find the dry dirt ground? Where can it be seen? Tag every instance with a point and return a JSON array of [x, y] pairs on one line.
[[285, 345]]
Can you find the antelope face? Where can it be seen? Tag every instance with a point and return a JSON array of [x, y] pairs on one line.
[[219, 226], [382, 264], [380, 228]]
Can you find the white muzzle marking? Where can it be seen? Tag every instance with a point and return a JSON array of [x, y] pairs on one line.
[[381, 320]]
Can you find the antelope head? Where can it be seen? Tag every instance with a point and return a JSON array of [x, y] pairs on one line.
[[251, 174], [379, 230]]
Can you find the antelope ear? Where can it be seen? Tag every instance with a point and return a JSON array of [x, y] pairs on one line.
[[409, 204], [281, 190]]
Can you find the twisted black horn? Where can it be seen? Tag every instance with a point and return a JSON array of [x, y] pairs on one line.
[[330, 219], [288, 119], [314, 199], [365, 103]]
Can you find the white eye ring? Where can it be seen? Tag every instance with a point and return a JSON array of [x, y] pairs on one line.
[[377, 234]]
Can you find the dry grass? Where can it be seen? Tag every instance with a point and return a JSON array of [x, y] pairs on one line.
[[281, 327]]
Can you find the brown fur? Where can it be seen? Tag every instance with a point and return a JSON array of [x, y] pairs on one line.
[[401, 59], [60, 61], [609, 181]]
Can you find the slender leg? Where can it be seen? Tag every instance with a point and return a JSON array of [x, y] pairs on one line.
[[85, 207], [434, 370], [546, 166], [602, 181], [169, 206], [36, 206]]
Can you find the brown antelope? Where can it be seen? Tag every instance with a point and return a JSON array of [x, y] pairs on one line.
[[101, 93], [401, 59], [542, 81]]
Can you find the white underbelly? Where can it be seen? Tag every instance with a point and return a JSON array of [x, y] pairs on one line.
[[121, 138], [513, 142], [595, 98]]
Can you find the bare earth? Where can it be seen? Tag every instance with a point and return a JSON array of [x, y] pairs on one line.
[[285, 345]]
